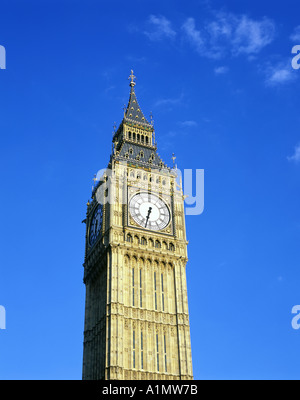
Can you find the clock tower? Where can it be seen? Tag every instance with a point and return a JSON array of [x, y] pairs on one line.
[[136, 312]]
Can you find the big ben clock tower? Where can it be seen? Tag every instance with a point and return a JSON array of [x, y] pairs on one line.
[[136, 312]]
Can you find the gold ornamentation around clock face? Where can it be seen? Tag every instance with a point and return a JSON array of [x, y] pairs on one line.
[[149, 211]]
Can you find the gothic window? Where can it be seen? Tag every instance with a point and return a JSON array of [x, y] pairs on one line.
[[165, 353], [133, 136], [164, 182], [142, 138], [129, 238], [129, 135], [157, 353], [143, 241], [145, 177], [172, 247], [165, 246], [126, 155], [133, 349], [151, 244], [142, 351], [141, 154], [141, 293], [138, 137], [147, 140], [162, 293], [130, 151], [136, 240], [157, 244], [155, 294], [133, 286]]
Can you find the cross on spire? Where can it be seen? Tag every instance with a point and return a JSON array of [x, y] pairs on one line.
[[132, 79]]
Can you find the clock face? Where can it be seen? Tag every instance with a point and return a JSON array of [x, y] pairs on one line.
[[96, 224], [149, 211]]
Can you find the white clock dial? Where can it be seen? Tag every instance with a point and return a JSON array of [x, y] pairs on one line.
[[96, 224], [149, 211]]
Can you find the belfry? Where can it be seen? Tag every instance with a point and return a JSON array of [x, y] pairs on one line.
[[136, 311]]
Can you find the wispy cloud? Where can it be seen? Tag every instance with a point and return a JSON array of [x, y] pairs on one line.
[[296, 156], [221, 70], [229, 34], [279, 74], [159, 27], [171, 101], [295, 36], [194, 35], [188, 124]]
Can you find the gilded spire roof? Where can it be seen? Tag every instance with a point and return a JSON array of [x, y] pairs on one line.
[[133, 113]]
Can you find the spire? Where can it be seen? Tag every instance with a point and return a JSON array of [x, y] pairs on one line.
[[133, 113]]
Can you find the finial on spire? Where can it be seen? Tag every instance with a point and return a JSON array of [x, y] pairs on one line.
[[132, 79], [151, 119], [174, 158]]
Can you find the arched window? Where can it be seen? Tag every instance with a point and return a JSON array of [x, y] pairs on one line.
[[129, 238], [129, 135], [142, 138], [172, 247], [138, 137], [143, 241], [157, 244]]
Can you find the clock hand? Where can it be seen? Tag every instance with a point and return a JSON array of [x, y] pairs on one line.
[[149, 212]]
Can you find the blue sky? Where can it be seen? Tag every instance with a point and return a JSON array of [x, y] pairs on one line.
[[218, 78]]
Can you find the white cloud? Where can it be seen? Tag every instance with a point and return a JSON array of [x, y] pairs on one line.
[[193, 34], [251, 36], [295, 36], [296, 156], [230, 34], [280, 73], [221, 70], [159, 28], [188, 124], [169, 101]]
